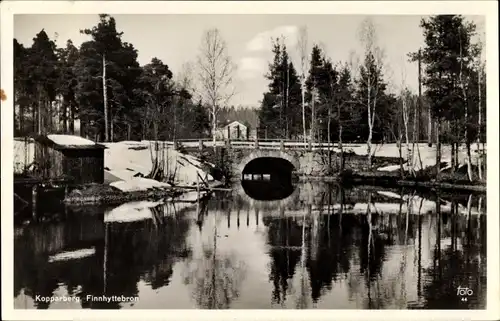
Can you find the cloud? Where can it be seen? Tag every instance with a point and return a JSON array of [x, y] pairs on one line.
[[262, 41], [252, 67]]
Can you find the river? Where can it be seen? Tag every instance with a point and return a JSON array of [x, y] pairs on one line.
[[321, 246]]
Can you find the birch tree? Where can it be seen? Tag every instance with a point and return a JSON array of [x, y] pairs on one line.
[[370, 83], [215, 74], [303, 49]]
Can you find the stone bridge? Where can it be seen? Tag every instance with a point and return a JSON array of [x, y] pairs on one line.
[[307, 159]]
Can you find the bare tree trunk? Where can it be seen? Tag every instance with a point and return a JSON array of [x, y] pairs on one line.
[[429, 126], [466, 116], [34, 116], [313, 117], [105, 99], [65, 115], [438, 149], [328, 138], [479, 160], [409, 154], [40, 108], [287, 97], [304, 111], [370, 124], [72, 118], [453, 165], [340, 140], [21, 119], [214, 125], [112, 127]]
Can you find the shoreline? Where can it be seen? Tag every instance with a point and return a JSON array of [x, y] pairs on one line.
[[376, 179]]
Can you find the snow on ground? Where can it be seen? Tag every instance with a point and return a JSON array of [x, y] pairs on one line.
[[138, 184], [70, 140], [24, 154], [427, 155], [124, 162]]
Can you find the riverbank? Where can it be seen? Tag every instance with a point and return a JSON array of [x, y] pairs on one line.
[[389, 179], [100, 194]]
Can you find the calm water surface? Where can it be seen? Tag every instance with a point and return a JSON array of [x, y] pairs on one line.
[[321, 247]]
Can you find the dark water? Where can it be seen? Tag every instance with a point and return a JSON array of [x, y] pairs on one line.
[[321, 247]]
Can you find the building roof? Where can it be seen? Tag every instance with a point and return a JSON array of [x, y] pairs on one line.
[[233, 122], [61, 142]]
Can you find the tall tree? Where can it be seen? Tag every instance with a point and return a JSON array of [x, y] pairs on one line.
[[280, 110], [448, 55], [112, 62], [68, 57], [156, 90], [43, 72], [215, 73], [315, 83], [303, 48], [106, 41], [370, 84], [21, 86]]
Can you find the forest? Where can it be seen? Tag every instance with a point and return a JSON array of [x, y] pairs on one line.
[[103, 87]]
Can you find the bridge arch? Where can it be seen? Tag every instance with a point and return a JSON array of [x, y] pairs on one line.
[[263, 153]]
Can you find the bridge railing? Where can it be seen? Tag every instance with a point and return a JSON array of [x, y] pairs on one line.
[[248, 144]]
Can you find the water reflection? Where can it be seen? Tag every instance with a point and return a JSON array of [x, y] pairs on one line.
[[326, 248]]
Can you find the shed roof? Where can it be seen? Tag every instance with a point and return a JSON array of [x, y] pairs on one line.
[[61, 142]]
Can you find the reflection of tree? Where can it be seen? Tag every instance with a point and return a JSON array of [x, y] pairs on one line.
[[215, 277], [334, 248], [455, 266], [145, 249], [285, 241]]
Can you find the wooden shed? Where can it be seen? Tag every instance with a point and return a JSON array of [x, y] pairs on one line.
[[72, 157]]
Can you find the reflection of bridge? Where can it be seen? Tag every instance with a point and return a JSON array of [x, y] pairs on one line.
[[283, 204]]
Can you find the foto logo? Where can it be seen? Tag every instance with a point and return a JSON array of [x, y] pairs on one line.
[[464, 293]]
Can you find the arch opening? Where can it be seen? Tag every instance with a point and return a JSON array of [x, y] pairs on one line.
[[268, 178]]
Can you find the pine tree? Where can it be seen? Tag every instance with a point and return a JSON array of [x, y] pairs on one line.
[[201, 120], [67, 85], [43, 73], [113, 63], [280, 109], [448, 56]]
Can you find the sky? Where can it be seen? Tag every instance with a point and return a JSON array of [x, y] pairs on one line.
[[176, 38]]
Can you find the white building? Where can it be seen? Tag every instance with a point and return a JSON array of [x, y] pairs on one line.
[[233, 131]]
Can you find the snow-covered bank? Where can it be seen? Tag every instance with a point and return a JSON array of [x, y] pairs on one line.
[[427, 155], [125, 162]]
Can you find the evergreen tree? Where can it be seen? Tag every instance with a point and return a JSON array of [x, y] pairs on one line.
[[201, 120], [114, 63], [448, 56], [67, 85], [43, 73], [280, 109], [22, 88]]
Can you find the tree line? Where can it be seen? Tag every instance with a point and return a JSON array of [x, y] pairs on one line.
[[101, 85], [335, 101], [315, 99]]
